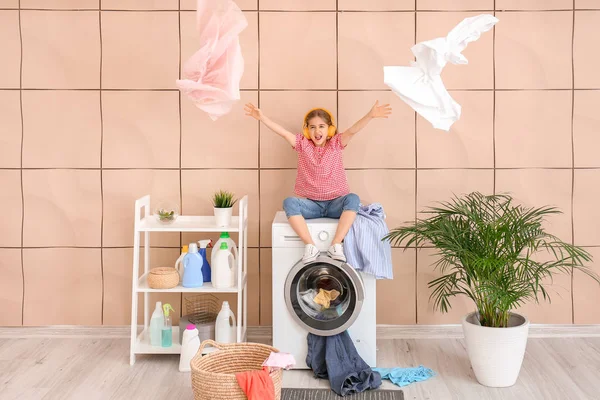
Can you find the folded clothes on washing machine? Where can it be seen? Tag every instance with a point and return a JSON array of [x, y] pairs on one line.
[[336, 358]]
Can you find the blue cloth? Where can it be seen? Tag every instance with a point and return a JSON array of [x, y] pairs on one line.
[[405, 376], [310, 209], [364, 249], [336, 358]]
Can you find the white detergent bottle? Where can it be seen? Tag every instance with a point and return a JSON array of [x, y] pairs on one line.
[[190, 343], [230, 243], [223, 268], [225, 325], [156, 325], [179, 262]]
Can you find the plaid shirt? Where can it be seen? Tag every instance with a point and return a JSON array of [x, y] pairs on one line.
[[321, 174]]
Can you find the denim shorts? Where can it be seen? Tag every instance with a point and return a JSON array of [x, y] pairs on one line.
[[320, 208]]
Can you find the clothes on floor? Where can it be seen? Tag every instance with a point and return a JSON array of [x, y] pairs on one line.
[[310, 209], [405, 376], [280, 360], [335, 358], [365, 251], [324, 297], [257, 384]]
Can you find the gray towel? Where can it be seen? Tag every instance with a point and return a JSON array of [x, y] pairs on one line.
[[336, 358]]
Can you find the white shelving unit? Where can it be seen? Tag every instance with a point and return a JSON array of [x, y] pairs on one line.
[[145, 223]]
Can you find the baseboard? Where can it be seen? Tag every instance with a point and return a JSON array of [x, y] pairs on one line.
[[263, 333]]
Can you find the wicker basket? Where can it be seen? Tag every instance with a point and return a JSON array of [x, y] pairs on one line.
[[213, 375], [163, 278]]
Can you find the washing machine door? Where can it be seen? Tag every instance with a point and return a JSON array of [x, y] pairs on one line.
[[325, 296]]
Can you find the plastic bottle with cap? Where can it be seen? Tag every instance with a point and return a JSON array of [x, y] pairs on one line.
[[206, 273], [179, 262], [230, 243], [156, 324], [225, 325], [167, 330], [192, 268], [190, 343], [223, 268]]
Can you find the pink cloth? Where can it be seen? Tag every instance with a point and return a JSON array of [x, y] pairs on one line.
[[321, 174], [280, 360], [213, 73]]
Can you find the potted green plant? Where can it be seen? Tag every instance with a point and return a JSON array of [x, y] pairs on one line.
[[223, 202], [489, 250], [166, 212]]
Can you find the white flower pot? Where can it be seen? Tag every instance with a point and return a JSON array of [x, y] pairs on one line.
[[223, 216], [496, 354]]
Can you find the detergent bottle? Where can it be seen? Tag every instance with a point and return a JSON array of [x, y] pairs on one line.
[[223, 268], [190, 343], [230, 243], [178, 263], [167, 329], [192, 268], [224, 328], [156, 324], [206, 266]]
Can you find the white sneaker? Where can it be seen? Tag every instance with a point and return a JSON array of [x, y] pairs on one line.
[[336, 251], [310, 253]]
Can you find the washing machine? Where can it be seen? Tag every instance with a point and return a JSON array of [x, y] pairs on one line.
[[295, 286]]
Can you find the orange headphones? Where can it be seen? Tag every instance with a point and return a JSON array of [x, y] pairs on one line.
[[330, 130]]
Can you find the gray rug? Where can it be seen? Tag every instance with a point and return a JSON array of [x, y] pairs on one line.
[[327, 394]]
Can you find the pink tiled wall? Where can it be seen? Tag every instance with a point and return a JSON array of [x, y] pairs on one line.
[[90, 120]]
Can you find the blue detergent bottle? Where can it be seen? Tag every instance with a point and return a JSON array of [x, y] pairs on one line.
[[192, 268], [206, 266]]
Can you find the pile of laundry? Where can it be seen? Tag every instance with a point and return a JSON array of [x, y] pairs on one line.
[[257, 384], [335, 358]]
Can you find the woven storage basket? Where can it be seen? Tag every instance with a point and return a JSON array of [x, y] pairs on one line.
[[213, 375], [163, 278]]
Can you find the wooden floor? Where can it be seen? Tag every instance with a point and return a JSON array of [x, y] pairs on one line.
[[98, 368]]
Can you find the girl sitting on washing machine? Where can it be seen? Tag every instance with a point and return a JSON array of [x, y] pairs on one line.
[[321, 182]]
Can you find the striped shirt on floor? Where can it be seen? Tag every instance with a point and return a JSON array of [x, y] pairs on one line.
[[365, 251]]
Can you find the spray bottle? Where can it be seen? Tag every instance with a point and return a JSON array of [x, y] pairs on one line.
[[167, 330], [204, 244]]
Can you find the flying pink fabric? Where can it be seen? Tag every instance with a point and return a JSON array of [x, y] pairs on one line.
[[212, 75]]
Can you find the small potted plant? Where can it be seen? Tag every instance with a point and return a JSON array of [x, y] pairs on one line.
[[223, 202], [166, 213], [488, 249]]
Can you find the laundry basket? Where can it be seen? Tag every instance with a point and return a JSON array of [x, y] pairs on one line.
[[213, 375]]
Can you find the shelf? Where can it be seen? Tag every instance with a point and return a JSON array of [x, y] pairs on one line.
[[206, 288], [143, 346], [188, 223]]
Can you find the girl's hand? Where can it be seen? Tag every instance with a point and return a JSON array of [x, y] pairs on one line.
[[252, 111], [380, 111]]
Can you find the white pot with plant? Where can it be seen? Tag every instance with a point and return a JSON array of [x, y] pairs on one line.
[[223, 202], [487, 248]]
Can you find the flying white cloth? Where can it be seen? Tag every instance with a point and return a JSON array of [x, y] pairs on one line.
[[421, 85], [212, 74]]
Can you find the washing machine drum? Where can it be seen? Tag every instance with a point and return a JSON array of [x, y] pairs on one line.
[[324, 296]]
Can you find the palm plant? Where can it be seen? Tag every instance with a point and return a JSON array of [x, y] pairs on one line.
[[488, 250]]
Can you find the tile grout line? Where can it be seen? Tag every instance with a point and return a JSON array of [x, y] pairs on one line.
[[101, 165], [258, 161], [416, 189], [299, 89], [573, 158], [21, 169], [180, 144], [292, 168], [494, 103]]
